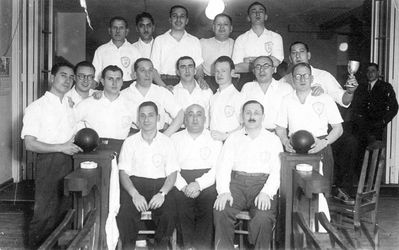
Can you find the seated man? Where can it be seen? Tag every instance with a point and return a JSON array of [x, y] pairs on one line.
[[84, 82], [109, 116], [147, 172], [197, 154], [247, 178], [300, 110]]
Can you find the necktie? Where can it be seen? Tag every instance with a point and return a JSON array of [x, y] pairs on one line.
[[369, 87]]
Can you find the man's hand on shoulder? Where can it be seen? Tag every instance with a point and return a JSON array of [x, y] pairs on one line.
[[317, 90], [262, 201], [97, 94], [219, 136], [139, 202], [221, 200]]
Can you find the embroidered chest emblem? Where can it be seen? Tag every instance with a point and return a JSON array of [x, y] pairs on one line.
[[269, 47], [318, 108], [125, 61], [228, 111]]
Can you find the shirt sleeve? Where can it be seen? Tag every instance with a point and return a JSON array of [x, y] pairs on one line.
[[97, 65], [332, 88], [156, 55], [31, 121], [333, 115], [273, 181], [224, 166], [197, 52], [278, 51], [126, 157], [170, 103], [282, 116], [208, 179], [180, 182], [172, 164], [238, 51]]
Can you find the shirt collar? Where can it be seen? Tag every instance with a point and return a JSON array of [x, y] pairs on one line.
[[253, 32], [142, 42], [55, 99], [124, 44], [227, 89]]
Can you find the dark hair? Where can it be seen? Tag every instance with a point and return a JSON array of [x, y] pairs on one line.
[[142, 59], [253, 102], [223, 15], [113, 68], [119, 18], [184, 58], [373, 64], [307, 65], [177, 7], [143, 15], [148, 104], [84, 64], [256, 3], [299, 42], [56, 67], [225, 59]]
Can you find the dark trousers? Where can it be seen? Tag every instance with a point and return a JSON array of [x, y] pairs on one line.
[[244, 190], [128, 218], [327, 159], [50, 203], [195, 216]]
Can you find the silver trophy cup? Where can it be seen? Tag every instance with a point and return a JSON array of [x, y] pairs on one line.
[[353, 67]]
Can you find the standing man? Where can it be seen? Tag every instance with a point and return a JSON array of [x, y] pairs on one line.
[[266, 90], [145, 26], [144, 90], [117, 52], [212, 48], [258, 41], [174, 44], [84, 82], [109, 116], [197, 153], [147, 172], [225, 104], [48, 130], [247, 178]]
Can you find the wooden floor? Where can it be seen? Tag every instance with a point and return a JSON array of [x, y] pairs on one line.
[[16, 205]]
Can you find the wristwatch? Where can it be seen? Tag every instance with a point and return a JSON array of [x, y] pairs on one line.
[[162, 193]]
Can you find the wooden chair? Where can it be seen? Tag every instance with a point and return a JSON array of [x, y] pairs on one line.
[[364, 210]]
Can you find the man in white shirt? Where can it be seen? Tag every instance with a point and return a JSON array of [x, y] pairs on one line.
[[225, 104], [212, 48], [144, 90], [118, 51], [174, 44], [48, 130], [197, 154], [84, 82], [266, 90], [147, 171], [145, 26], [247, 178], [258, 41], [110, 116], [188, 91]]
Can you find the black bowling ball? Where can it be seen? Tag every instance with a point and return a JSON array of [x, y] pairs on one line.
[[87, 139], [301, 141]]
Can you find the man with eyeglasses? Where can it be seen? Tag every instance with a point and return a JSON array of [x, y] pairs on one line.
[[118, 51], [84, 82], [266, 90]]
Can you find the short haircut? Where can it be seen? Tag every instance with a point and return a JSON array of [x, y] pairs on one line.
[[56, 67], [256, 3], [253, 102], [225, 59], [194, 105], [113, 68], [119, 18], [177, 7], [84, 64], [373, 64], [299, 42], [301, 64], [148, 104], [142, 59], [143, 15], [267, 57], [184, 58], [223, 15]]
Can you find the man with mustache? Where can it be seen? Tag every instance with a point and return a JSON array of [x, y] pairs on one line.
[[247, 178]]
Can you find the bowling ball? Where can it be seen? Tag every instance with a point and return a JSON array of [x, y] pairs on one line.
[[87, 139], [301, 141]]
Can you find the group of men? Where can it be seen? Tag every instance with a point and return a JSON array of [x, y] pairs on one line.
[[193, 156]]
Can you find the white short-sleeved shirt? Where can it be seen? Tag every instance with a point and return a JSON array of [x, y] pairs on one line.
[[225, 108], [155, 160], [144, 48], [314, 115], [271, 100], [269, 43], [165, 101], [123, 57], [212, 49], [327, 82], [199, 153], [49, 120], [166, 50], [242, 153], [75, 97], [108, 119]]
